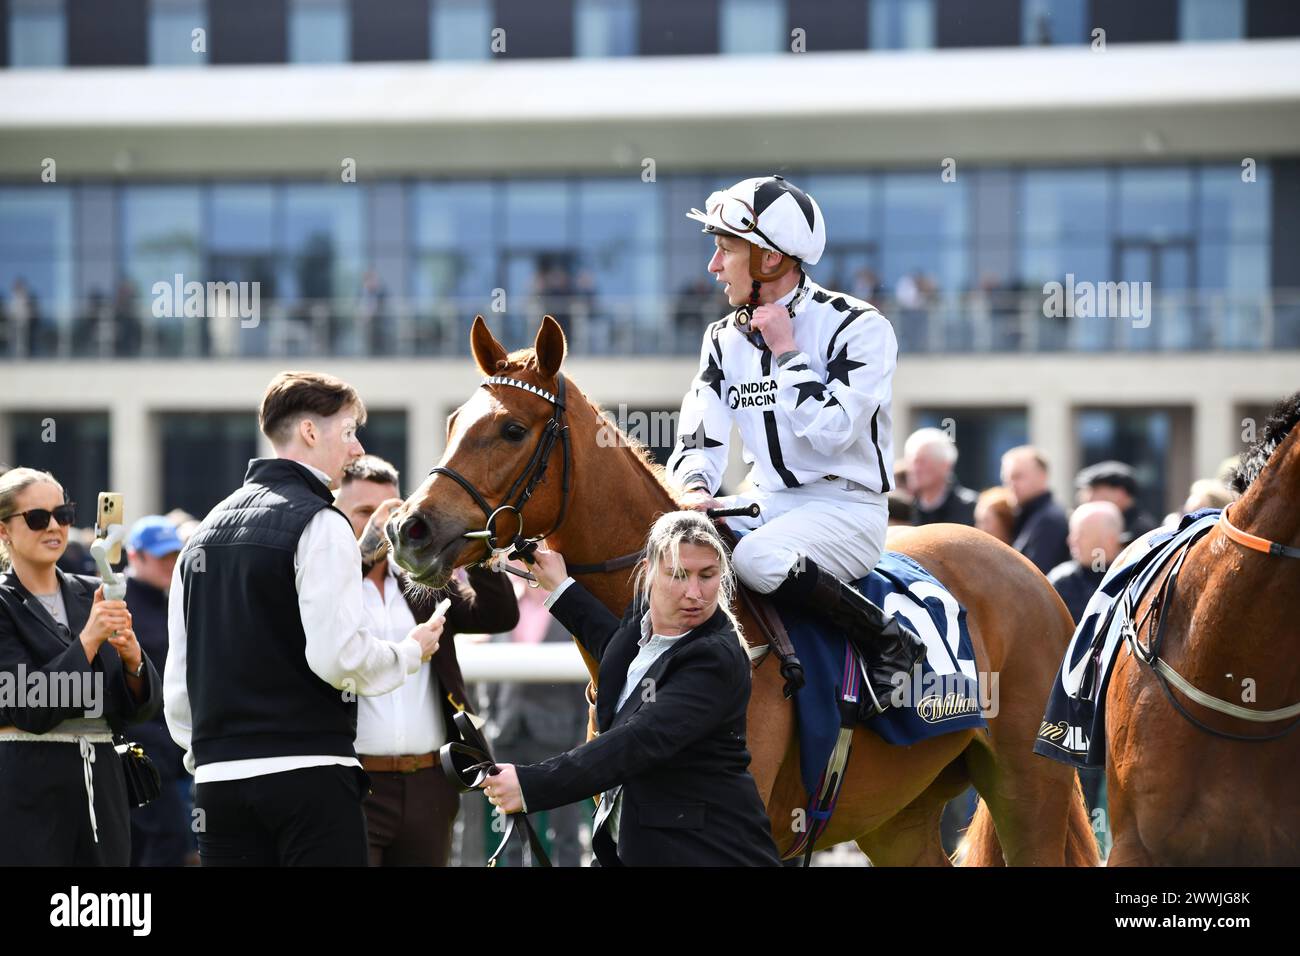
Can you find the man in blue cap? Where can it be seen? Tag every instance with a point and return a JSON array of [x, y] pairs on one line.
[[160, 831]]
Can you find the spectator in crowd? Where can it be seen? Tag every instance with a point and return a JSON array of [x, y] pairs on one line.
[[185, 523], [902, 510], [63, 796], [1115, 482], [1040, 529], [412, 806], [530, 722], [23, 320], [371, 316], [160, 830], [995, 514], [1096, 529], [930, 455], [1207, 493], [270, 644], [866, 285]]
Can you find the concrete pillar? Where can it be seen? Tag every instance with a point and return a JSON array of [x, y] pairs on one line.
[[1216, 430], [134, 457], [1051, 429], [426, 426], [6, 441]]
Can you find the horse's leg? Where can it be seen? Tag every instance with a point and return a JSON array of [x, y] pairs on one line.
[[912, 837]]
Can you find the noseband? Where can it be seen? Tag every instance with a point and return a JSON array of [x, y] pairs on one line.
[[554, 431]]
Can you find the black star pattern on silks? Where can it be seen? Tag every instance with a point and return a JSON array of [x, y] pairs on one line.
[[697, 439], [840, 366], [712, 377], [809, 390]]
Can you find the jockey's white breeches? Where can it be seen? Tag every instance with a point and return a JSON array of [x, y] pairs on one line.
[[838, 524]]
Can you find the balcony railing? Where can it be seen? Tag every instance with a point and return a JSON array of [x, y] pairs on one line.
[[964, 323]]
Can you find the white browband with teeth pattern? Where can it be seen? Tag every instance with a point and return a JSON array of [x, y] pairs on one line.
[[502, 380]]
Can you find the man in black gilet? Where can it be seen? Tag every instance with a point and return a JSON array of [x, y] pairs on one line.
[[268, 647]]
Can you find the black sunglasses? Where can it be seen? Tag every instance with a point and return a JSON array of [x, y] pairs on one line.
[[38, 519]]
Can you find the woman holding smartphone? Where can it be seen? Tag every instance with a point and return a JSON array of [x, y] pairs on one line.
[[71, 674]]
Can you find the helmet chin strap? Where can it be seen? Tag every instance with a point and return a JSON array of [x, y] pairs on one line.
[[746, 312]]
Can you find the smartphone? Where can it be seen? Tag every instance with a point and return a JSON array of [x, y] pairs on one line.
[[109, 512]]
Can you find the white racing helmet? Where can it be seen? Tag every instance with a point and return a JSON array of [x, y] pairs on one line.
[[770, 213]]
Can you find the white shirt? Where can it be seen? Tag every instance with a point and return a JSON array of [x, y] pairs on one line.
[[340, 649], [824, 411], [407, 720]]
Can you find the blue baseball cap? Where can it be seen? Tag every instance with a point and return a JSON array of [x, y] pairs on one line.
[[155, 536]]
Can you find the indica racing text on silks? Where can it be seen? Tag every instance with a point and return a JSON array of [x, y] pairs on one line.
[[760, 394]]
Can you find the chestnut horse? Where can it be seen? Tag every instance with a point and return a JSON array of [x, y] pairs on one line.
[[600, 506], [1183, 795]]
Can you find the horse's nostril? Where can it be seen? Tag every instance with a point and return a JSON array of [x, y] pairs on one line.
[[416, 529]]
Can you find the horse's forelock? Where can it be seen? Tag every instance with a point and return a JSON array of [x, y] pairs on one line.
[[1279, 424]]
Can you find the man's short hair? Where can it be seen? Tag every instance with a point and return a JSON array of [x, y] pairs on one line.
[[371, 468], [1108, 474], [1039, 458], [291, 396]]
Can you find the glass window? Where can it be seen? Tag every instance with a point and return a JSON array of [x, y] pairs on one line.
[[455, 268], [322, 229], [223, 441], [1140, 437], [1053, 21], [162, 239], [78, 459], [1155, 202], [1211, 19], [752, 26], [1065, 203], [37, 33], [923, 242], [319, 31], [384, 434], [981, 434], [1230, 207], [462, 29], [36, 265], [620, 265], [605, 28], [901, 24], [171, 32]]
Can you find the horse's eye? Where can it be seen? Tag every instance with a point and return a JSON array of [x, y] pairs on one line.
[[514, 431]]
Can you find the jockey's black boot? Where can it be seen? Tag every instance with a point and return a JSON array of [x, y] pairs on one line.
[[887, 645]]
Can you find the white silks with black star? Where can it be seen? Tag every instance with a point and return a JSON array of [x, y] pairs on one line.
[[826, 411]]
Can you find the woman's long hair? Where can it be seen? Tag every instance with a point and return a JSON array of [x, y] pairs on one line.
[[12, 484], [666, 537]]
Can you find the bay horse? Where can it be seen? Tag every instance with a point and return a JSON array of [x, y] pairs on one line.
[[1186, 795], [600, 505]]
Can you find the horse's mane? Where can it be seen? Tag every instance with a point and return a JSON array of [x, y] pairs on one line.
[[1277, 427], [525, 360]]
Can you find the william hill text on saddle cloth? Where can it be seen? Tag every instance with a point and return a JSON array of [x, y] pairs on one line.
[[807, 380]]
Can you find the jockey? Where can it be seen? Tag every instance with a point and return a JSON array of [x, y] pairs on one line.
[[804, 373]]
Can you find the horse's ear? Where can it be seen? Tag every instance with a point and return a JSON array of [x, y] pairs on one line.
[[550, 347], [486, 349]]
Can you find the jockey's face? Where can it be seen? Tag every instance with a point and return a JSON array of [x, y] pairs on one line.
[[330, 444], [685, 599], [730, 265]]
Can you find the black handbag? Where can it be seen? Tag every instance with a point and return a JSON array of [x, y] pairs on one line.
[[143, 782]]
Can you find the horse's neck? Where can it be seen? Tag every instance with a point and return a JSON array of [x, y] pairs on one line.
[[615, 498], [1242, 604]]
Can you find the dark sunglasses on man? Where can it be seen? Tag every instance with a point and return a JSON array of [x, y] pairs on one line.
[[38, 519]]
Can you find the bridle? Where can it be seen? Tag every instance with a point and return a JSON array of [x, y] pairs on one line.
[[1158, 615], [554, 432], [1254, 542]]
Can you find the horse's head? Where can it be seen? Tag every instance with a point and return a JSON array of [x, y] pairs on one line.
[[494, 443]]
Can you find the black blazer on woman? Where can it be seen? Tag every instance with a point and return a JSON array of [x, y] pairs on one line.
[[677, 746], [29, 636]]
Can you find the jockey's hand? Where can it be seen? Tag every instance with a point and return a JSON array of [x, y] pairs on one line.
[[548, 567], [777, 327], [698, 500]]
